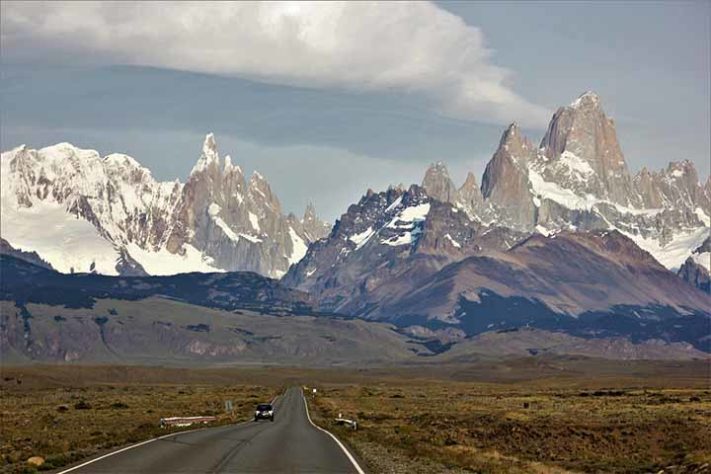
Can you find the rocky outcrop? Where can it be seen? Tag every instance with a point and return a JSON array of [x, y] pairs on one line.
[[586, 283], [695, 274], [113, 217], [697, 267], [313, 227], [470, 196], [676, 187], [438, 184]]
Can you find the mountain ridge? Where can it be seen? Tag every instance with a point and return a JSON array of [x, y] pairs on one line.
[[243, 318], [114, 217], [559, 236], [578, 179], [549, 241]]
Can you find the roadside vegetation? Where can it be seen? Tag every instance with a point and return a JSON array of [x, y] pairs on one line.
[[63, 420], [531, 427], [519, 415]]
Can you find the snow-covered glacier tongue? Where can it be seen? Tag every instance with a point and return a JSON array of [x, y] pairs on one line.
[[81, 212]]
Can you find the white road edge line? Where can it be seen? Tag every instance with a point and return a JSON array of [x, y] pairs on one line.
[[343, 448], [91, 461], [169, 435]]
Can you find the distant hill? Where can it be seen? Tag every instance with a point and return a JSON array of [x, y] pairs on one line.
[[26, 282], [240, 318]]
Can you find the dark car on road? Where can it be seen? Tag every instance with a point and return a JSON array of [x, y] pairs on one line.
[[264, 411]]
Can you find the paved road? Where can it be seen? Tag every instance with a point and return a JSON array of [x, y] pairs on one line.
[[289, 444]]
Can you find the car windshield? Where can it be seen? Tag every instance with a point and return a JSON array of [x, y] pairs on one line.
[[264, 407]]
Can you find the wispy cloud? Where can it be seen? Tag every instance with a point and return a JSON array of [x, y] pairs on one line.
[[406, 47]]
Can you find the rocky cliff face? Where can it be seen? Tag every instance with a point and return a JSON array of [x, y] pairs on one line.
[[111, 216], [583, 140], [505, 183], [470, 196]]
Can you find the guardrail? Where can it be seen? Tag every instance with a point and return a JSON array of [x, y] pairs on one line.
[[185, 420], [345, 421]]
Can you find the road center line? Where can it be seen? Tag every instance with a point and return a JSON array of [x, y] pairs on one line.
[[343, 448]]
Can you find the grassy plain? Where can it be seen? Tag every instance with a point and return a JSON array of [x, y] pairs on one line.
[[620, 417], [66, 414], [521, 415]]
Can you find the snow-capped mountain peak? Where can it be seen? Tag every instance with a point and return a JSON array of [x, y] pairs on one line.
[[210, 158], [587, 99], [578, 179], [231, 168], [209, 146], [111, 216]]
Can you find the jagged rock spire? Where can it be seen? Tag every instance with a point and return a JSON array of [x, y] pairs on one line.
[[310, 212], [470, 194], [438, 184], [210, 158], [584, 134], [676, 185], [238, 223], [505, 182], [314, 227]]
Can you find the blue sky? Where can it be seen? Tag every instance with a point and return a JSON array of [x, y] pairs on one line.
[[327, 100]]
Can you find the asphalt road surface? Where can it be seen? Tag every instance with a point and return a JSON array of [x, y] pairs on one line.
[[289, 444]]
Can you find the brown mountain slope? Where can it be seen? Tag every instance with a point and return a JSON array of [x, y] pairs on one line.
[[159, 331], [569, 272], [535, 342]]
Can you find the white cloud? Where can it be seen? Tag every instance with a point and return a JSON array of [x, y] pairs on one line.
[[408, 47]]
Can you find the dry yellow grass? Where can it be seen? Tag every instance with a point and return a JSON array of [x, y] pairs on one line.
[[530, 415], [73, 422], [526, 428]]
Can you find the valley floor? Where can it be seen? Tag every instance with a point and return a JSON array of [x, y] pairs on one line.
[[517, 415], [68, 414], [473, 427]]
